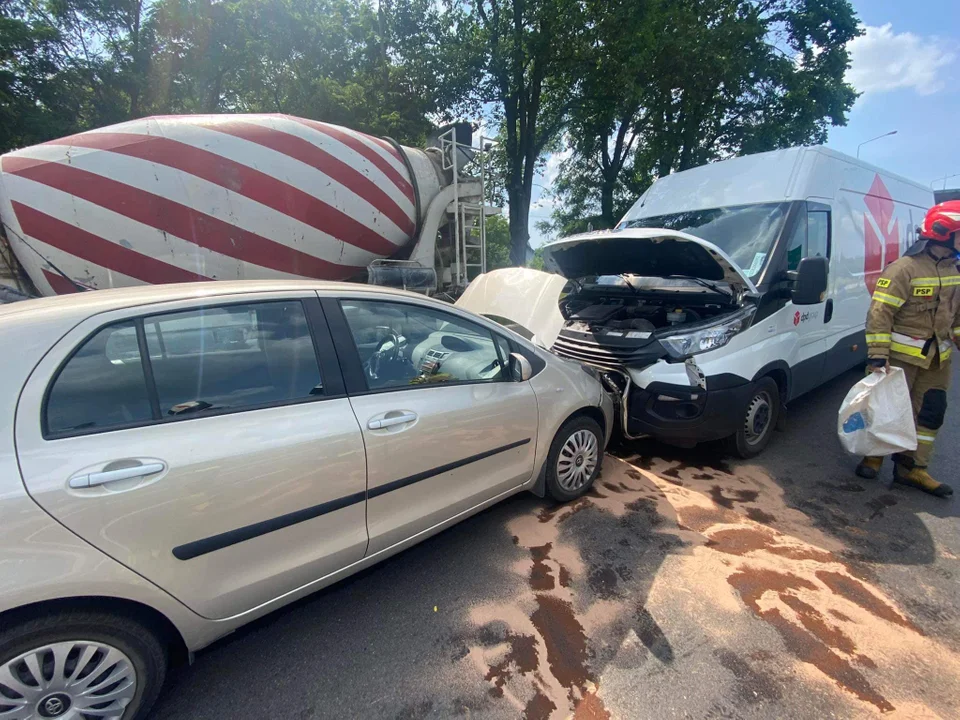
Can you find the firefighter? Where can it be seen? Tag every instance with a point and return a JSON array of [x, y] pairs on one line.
[[913, 323]]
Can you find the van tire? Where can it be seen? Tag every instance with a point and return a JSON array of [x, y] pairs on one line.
[[574, 430], [760, 417], [141, 646]]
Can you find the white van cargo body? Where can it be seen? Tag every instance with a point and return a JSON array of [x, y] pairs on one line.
[[730, 289]]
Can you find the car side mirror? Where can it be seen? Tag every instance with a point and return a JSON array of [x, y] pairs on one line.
[[520, 368], [811, 283]]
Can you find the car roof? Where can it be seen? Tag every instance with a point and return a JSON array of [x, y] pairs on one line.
[[97, 301]]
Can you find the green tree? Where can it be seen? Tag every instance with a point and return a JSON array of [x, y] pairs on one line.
[[59, 72], [706, 79], [394, 67], [531, 69], [389, 69], [498, 242], [35, 99]]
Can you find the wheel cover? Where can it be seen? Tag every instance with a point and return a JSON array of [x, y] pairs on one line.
[[756, 425], [71, 680], [577, 460]]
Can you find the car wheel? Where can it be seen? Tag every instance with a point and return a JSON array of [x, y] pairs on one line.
[[574, 459], [759, 420], [78, 664]]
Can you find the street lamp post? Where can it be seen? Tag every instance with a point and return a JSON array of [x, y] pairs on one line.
[[943, 180], [892, 132]]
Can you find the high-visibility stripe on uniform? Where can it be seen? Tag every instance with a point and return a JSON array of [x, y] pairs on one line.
[[908, 340], [945, 350], [888, 299], [949, 281], [928, 439], [878, 338], [906, 350]]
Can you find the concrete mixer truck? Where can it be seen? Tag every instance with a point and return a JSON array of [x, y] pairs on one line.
[[214, 197]]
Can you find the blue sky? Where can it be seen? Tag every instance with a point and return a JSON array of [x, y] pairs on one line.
[[907, 66]]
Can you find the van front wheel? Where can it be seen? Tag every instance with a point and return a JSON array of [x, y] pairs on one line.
[[759, 419]]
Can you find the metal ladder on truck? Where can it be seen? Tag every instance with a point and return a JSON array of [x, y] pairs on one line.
[[468, 217]]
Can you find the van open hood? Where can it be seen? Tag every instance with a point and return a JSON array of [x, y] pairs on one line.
[[651, 252]]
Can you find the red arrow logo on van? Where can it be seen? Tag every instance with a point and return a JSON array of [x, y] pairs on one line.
[[882, 249]]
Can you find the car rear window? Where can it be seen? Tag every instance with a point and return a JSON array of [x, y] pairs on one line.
[[102, 386], [206, 360]]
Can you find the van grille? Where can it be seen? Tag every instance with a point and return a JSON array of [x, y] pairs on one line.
[[604, 356]]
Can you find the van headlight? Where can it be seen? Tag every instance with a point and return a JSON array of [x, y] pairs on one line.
[[683, 345]]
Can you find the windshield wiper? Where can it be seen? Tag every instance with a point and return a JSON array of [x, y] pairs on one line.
[[626, 279], [704, 283]]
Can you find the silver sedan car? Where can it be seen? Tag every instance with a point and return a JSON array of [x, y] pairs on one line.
[[176, 461]]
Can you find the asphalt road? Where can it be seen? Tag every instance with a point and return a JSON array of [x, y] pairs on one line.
[[686, 586]]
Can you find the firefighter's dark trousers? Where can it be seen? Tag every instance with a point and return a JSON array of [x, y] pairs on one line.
[[928, 391]]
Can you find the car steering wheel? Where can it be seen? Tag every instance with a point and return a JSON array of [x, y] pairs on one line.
[[387, 352]]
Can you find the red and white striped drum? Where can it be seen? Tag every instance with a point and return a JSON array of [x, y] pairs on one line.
[[184, 198]]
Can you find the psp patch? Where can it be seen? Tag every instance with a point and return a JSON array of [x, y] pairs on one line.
[[883, 283], [923, 292]]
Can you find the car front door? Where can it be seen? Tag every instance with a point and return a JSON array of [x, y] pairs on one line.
[[809, 237], [210, 448], [444, 425]]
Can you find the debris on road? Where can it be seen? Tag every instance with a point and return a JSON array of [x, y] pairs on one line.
[[736, 552]]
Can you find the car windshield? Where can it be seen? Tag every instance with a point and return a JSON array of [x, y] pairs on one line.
[[745, 232]]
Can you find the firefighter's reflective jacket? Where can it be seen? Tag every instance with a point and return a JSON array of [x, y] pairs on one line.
[[915, 310]]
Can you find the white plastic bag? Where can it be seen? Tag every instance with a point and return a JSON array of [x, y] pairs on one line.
[[876, 416]]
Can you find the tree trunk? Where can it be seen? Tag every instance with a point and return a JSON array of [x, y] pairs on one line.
[[606, 202], [519, 218]]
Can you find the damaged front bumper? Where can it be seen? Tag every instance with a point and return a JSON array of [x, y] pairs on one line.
[[681, 415]]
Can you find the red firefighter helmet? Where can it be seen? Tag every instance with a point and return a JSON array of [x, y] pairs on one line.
[[941, 221]]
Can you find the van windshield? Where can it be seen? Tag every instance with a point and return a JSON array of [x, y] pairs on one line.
[[745, 232]]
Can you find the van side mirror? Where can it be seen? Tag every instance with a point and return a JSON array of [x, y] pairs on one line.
[[520, 368], [811, 282]]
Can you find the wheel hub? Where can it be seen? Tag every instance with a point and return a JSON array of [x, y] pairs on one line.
[[68, 680], [54, 706], [757, 421], [578, 459]]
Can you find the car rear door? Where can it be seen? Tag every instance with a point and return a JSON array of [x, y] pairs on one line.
[[208, 445], [444, 425]]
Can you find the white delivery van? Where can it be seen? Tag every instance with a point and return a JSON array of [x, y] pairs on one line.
[[731, 289]]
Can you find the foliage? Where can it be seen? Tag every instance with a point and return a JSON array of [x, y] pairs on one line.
[[634, 89], [386, 70], [498, 242], [531, 65], [392, 68], [673, 84]]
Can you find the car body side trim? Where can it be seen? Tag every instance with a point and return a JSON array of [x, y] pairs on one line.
[[410, 480], [190, 550], [194, 549]]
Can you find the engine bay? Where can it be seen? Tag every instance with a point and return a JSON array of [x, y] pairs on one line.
[[594, 310], [620, 325]]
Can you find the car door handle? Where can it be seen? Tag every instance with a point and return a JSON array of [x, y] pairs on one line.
[[389, 420], [109, 476]]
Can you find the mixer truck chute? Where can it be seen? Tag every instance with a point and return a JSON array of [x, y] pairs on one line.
[[213, 197]]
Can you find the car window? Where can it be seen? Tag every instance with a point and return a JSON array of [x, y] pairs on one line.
[[102, 385], [232, 357], [809, 239], [403, 345], [210, 359], [797, 245], [818, 233]]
